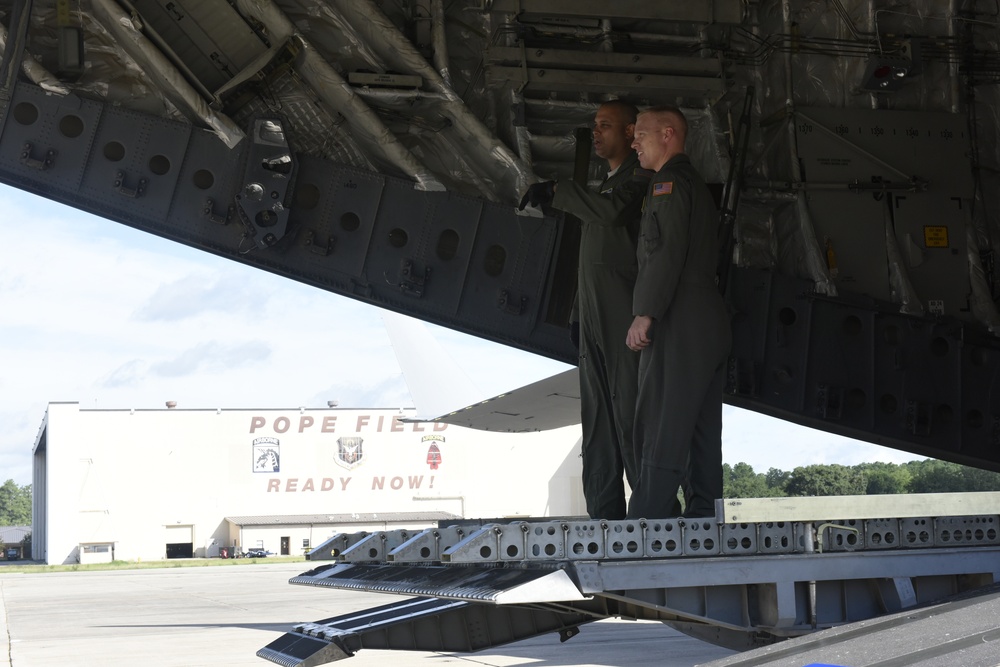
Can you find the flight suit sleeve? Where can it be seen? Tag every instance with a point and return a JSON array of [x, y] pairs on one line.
[[663, 243], [612, 209]]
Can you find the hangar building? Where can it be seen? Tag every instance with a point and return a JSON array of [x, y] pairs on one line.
[[174, 483]]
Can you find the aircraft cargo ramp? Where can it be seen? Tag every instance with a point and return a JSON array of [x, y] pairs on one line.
[[761, 571]]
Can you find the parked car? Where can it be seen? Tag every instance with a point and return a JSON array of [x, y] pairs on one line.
[[12, 553], [258, 553]]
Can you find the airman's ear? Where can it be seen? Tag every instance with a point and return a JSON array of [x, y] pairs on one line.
[[630, 130]]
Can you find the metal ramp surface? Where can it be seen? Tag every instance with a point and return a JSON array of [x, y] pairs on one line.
[[741, 585], [421, 624]]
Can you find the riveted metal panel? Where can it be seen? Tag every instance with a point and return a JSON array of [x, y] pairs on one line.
[[785, 359], [664, 538], [739, 538], [624, 539], [40, 124], [930, 228], [421, 245], [839, 378], [339, 203], [508, 265], [585, 540], [702, 538], [203, 203], [775, 537], [882, 533], [917, 532], [966, 530], [546, 540], [135, 158]]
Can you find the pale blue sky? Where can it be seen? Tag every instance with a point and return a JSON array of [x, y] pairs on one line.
[[97, 313]]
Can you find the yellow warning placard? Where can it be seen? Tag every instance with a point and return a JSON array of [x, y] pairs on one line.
[[935, 237], [62, 13]]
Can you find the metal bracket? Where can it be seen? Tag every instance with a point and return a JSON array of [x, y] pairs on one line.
[[830, 401], [269, 173], [374, 547], [510, 303], [820, 531], [918, 417], [744, 376], [35, 163], [427, 546], [209, 211], [120, 186], [411, 279], [323, 249]]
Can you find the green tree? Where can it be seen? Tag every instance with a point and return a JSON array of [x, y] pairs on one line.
[[740, 481], [977, 479], [932, 476], [15, 504], [825, 480], [884, 478], [776, 479]]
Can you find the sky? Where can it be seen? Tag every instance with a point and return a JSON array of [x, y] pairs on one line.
[[94, 312]]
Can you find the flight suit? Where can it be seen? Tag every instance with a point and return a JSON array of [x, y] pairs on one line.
[[678, 421], [608, 369]]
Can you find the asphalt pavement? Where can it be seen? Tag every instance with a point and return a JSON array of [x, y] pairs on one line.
[[208, 616]]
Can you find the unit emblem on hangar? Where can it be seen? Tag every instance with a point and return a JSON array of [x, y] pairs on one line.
[[266, 455], [433, 451], [349, 452]]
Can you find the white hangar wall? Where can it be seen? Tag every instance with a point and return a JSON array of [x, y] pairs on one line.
[[139, 479]]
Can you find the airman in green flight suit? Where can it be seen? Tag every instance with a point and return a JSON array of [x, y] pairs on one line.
[[607, 268], [681, 329]]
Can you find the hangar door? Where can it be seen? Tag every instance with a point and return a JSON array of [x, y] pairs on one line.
[[180, 541]]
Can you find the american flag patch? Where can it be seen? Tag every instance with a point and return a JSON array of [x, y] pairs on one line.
[[663, 188]]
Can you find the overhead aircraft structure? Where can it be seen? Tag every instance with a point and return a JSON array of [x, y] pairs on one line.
[[377, 149]]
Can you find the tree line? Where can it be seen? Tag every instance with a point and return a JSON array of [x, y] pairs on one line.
[[740, 481], [927, 476], [15, 504]]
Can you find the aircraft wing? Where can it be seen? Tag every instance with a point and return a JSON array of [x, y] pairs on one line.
[[547, 404]]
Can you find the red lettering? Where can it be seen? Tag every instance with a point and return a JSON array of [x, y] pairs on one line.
[[329, 424], [327, 484], [362, 421], [304, 423], [396, 483], [281, 424], [397, 426], [308, 486], [416, 481], [291, 484], [343, 483], [380, 418], [440, 426], [378, 483], [417, 427], [273, 485], [256, 423]]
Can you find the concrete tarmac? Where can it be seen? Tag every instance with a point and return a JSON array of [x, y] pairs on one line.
[[208, 616]]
